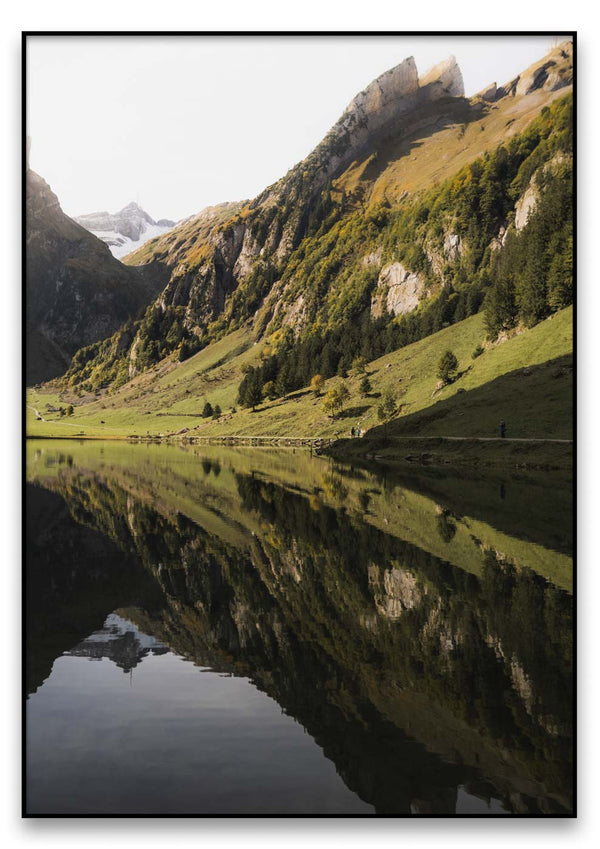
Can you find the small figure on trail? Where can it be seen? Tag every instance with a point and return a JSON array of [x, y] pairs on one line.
[[352, 432], [503, 429]]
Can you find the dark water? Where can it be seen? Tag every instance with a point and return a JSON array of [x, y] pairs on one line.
[[251, 632]]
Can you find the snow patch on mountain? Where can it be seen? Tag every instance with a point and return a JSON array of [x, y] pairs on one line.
[[126, 230]]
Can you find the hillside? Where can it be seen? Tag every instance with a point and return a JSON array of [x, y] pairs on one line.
[[416, 205], [529, 375], [76, 292]]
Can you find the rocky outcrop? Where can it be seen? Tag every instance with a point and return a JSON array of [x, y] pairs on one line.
[[394, 591], [553, 72], [525, 205], [529, 199], [489, 93], [443, 80], [452, 247], [399, 289], [549, 76]]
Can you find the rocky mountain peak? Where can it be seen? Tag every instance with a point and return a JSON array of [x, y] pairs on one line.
[[443, 80], [134, 210], [126, 230], [394, 89]]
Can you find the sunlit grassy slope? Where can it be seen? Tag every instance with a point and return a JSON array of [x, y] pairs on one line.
[[527, 380]]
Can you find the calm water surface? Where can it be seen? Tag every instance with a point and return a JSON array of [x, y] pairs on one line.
[[221, 631]]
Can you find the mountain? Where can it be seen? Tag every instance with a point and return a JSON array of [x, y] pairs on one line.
[[403, 211], [125, 231], [76, 291]]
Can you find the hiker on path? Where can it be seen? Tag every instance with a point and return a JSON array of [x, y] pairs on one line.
[[503, 429]]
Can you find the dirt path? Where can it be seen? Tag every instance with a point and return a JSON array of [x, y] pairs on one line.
[[37, 412], [40, 416]]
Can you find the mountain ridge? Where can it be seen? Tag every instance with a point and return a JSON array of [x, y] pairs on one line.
[[309, 253]]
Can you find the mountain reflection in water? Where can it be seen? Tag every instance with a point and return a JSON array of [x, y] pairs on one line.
[[298, 636]]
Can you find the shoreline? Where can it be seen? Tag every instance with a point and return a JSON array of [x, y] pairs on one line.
[[403, 451], [408, 451]]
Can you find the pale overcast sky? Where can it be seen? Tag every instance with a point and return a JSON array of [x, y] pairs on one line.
[[180, 123]]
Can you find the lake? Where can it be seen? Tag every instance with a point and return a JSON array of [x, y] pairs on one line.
[[222, 631]]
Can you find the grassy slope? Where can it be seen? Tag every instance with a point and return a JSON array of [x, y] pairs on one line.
[[172, 396]]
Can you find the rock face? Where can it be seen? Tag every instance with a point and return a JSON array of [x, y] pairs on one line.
[[444, 80], [529, 199], [549, 75], [525, 205], [386, 101], [488, 93], [76, 292], [125, 231], [394, 591], [387, 96], [552, 73], [399, 288], [452, 247]]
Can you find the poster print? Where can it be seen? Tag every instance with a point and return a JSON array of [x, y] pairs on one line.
[[299, 370]]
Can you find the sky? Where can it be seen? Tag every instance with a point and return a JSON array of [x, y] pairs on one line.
[[180, 123]]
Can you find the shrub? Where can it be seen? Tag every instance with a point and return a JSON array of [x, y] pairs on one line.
[[316, 384]]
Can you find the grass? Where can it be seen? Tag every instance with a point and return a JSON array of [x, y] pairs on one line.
[[171, 397]]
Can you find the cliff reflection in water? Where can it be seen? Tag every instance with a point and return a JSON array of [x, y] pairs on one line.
[[423, 641]]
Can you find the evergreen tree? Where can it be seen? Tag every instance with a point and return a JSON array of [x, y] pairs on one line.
[[284, 382], [269, 390], [500, 307], [365, 387], [253, 393], [560, 277], [447, 367]]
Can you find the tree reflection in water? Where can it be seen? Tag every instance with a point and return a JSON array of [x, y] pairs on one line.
[[427, 684]]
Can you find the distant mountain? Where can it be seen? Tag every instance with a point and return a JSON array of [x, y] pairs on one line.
[[125, 231], [76, 292]]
